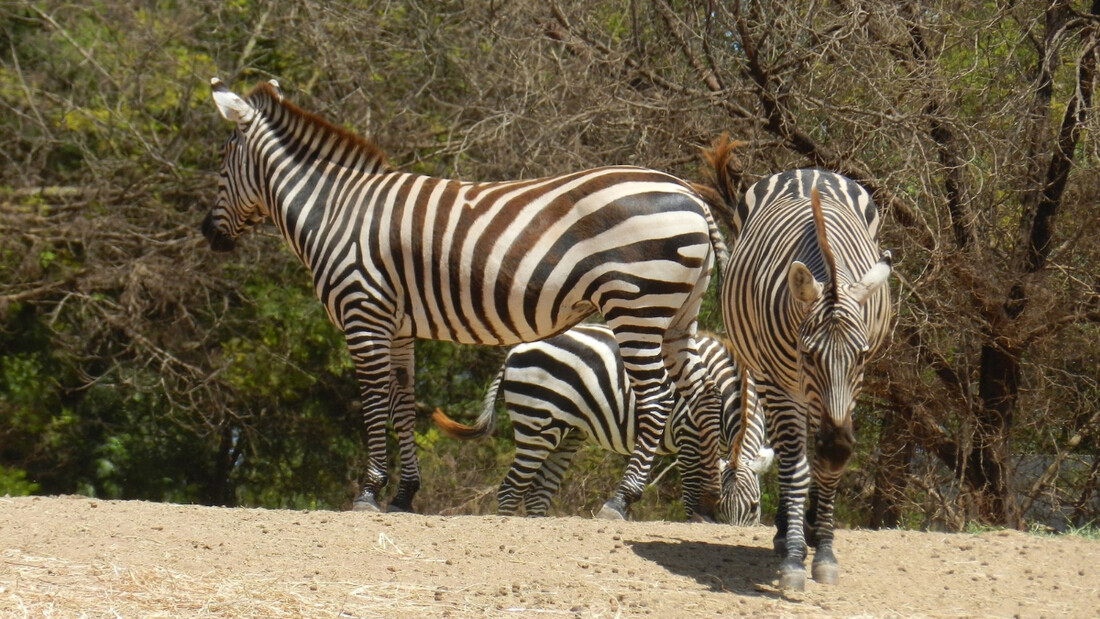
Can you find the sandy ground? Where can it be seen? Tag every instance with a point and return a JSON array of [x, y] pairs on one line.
[[73, 556]]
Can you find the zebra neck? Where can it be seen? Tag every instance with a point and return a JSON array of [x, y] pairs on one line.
[[307, 163], [306, 192]]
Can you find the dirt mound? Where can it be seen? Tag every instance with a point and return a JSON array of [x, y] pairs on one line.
[[71, 555]]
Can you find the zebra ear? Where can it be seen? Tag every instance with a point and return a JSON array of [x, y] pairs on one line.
[[802, 284], [763, 460], [275, 84], [872, 279], [230, 106]]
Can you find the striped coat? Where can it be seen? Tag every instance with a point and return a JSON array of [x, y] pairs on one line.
[[805, 303], [397, 256], [572, 387]]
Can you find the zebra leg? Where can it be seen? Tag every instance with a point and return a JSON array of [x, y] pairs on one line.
[[826, 477], [789, 441], [371, 356], [404, 418], [549, 476], [653, 391], [697, 445], [779, 542], [652, 412], [536, 440], [695, 386]]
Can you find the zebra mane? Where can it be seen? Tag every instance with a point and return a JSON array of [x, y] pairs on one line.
[[266, 97], [823, 243]]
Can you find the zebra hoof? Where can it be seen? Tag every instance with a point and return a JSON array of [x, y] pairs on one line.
[[611, 511], [365, 503], [826, 573], [394, 508], [793, 580]]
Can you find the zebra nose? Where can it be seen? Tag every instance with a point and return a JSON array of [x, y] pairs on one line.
[[835, 444], [218, 240], [208, 226]]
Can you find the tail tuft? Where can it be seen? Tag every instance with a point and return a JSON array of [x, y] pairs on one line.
[[482, 427], [720, 157], [455, 429]]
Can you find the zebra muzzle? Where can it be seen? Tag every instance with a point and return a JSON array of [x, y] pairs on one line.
[[219, 241], [835, 444]]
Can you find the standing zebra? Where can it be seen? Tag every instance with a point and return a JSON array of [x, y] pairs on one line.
[[804, 305], [397, 256], [571, 387]]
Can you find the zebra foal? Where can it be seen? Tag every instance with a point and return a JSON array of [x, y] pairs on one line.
[[572, 387], [804, 302], [397, 256]]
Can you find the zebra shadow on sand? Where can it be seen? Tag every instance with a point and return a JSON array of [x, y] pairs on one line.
[[721, 567]]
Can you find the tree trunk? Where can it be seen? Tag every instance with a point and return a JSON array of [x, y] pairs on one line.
[[891, 472], [987, 471]]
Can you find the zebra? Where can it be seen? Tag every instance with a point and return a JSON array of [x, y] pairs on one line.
[[804, 304], [396, 256], [571, 387], [750, 455]]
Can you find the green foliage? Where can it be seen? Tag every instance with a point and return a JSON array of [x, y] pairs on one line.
[[13, 482]]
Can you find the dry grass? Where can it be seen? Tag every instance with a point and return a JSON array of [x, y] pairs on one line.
[[35, 586]]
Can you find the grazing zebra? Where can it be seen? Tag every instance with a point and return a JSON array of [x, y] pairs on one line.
[[397, 256], [804, 305], [572, 387], [750, 456]]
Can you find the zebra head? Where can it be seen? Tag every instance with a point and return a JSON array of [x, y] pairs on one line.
[[833, 343], [238, 206], [739, 504]]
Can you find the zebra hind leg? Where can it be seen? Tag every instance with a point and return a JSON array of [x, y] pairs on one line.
[[650, 427], [653, 392], [536, 441], [371, 357], [376, 474], [549, 476], [409, 482], [404, 417]]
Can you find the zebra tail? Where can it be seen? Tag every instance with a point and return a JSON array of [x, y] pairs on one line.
[[485, 422], [718, 242], [719, 157]]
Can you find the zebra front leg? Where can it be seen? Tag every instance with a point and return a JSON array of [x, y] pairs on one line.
[[404, 418], [697, 445], [789, 441], [827, 469], [371, 358]]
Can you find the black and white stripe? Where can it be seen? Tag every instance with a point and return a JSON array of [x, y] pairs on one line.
[[743, 438], [397, 256], [573, 387], [804, 305]]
